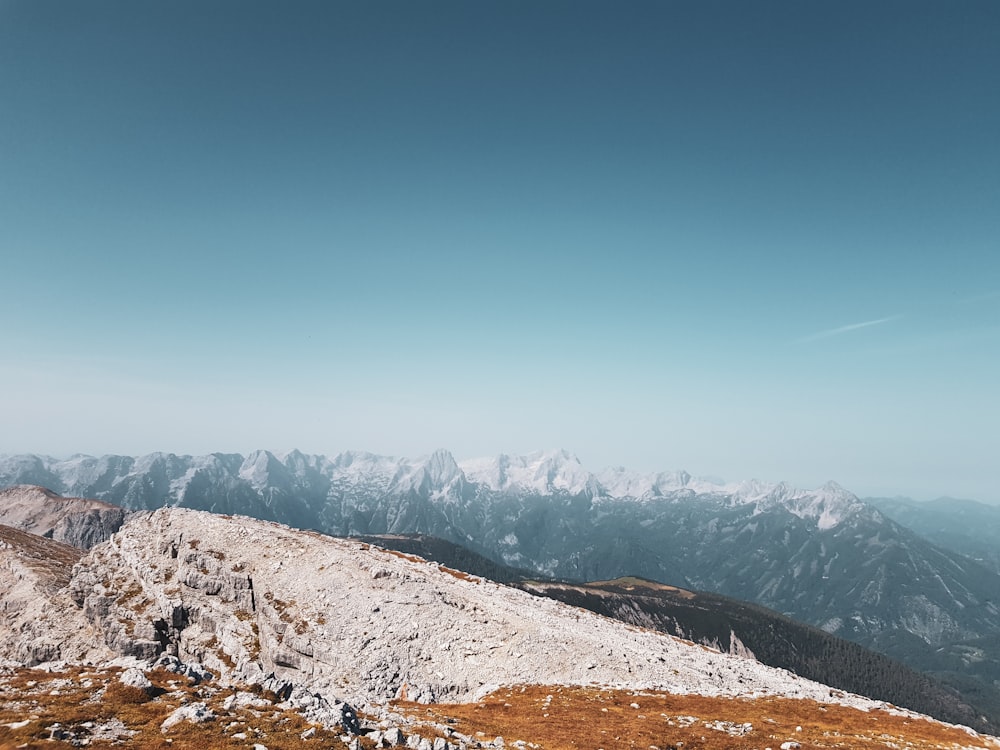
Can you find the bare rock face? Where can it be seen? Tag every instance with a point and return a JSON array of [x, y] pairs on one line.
[[38, 620], [263, 604], [75, 521]]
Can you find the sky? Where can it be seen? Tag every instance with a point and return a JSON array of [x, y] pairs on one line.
[[741, 239]]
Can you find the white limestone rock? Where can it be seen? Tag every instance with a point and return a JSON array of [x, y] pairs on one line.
[[135, 677], [196, 713], [256, 602]]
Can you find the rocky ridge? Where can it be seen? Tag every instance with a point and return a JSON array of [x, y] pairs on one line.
[[249, 599]]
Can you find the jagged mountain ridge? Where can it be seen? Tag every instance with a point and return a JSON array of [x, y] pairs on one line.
[[820, 556], [160, 479]]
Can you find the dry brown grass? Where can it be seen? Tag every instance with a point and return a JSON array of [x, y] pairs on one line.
[[126, 695], [80, 695], [630, 583], [403, 555], [560, 718], [548, 717], [459, 574], [130, 593]]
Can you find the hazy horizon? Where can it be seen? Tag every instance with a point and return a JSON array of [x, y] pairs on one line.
[[743, 240]]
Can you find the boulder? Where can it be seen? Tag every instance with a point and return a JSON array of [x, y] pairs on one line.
[[134, 677]]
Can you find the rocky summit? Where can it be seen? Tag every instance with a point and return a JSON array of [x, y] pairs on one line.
[[248, 599]]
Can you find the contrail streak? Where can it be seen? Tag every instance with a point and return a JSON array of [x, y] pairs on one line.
[[845, 329]]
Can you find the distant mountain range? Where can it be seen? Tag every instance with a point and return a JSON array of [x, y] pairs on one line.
[[820, 556]]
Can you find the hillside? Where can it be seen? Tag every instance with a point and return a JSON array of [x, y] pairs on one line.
[[291, 623], [731, 626], [450, 554]]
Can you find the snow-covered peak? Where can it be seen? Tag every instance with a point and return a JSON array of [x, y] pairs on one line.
[[433, 475], [832, 504], [828, 505], [146, 463], [441, 467], [543, 472], [80, 470], [301, 465], [361, 464], [755, 490], [296, 461], [619, 483], [261, 468], [488, 471]]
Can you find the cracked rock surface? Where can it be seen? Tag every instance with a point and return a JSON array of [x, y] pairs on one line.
[[39, 622]]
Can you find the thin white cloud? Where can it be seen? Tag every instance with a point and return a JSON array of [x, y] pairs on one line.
[[845, 329]]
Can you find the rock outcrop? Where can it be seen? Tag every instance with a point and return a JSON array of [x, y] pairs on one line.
[[254, 601], [75, 521], [38, 620]]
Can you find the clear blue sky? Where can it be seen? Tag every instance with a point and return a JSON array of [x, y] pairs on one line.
[[745, 239]]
